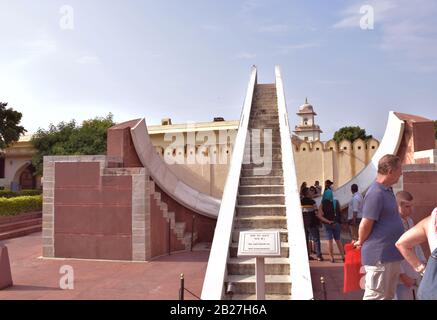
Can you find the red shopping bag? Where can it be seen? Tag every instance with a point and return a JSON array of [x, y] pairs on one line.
[[352, 268]]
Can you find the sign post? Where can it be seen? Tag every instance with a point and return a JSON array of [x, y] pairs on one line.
[[259, 244]]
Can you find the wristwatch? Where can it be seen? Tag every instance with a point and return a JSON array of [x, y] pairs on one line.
[[421, 269]]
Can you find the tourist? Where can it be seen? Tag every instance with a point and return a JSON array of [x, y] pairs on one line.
[[380, 228], [409, 278], [313, 192], [302, 186], [355, 211], [311, 223], [318, 188], [424, 231], [329, 214]]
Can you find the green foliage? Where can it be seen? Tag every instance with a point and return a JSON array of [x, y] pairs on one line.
[[24, 192], [10, 130], [351, 134], [68, 138], [15, 206], [435, 128]]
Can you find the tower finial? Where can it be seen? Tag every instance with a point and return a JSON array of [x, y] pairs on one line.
[[306, 100]]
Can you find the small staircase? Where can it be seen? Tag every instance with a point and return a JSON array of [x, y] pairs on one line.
[[261, 206], [178, 228], [18, 226]]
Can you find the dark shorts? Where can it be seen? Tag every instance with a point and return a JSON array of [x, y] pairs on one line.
[[333, 231]]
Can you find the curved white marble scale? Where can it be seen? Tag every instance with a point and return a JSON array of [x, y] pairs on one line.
[[167, 180], [389, 145]]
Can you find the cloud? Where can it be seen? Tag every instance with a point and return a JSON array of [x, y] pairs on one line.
[[287, 49], [91, 59], [276, 28], [407, 31], [250, 5], [246, 55]]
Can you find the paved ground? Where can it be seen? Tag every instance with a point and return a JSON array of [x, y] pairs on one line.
[[36, 278], [333, 274]]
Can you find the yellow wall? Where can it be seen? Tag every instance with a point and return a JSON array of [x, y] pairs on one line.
[[338, 163]]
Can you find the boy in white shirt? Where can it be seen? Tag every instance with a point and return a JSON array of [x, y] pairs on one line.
[[355, 211]]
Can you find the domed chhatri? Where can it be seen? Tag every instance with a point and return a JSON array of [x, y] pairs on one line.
[[306, 108], [307, 130]]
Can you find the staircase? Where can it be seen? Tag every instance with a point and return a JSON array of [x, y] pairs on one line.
[[178, 228], [261, 205], [18, 226]]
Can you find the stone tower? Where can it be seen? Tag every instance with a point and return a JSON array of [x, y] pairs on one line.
[[307, 130]]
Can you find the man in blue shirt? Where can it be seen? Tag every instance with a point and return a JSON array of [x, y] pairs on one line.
[[379, 230]]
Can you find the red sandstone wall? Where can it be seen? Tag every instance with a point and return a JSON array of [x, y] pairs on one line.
[[423, 186], [159, 232], [93, 214], [120, 144], [203, 226]]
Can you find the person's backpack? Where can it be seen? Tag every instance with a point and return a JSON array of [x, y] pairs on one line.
[[328, 210], [428, 285]]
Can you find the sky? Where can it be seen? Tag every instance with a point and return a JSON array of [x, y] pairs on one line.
[[190, 60]]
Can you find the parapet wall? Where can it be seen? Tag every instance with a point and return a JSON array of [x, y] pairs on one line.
[[339, 162]]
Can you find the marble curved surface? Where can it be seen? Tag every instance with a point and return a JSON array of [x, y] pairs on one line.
[[166, 179], [389, 145]]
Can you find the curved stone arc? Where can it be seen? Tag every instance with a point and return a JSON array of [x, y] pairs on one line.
[[166, 179], [389, 145]]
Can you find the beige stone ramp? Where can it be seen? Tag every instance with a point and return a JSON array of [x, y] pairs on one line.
[[260, 205]]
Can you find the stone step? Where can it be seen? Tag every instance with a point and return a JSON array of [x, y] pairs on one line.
[[253, 297], [233, 249], [275, 284], [246, 266], [261, 199], [268, 105], [20, 224], [255, 210], [264, 117], [20, 232], [261, 189], [273, 165], [257, 222], [249, 181], [20, 217], [263, 171], [283, 233]]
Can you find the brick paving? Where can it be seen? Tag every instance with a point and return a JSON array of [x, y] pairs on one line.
[[36, 278]]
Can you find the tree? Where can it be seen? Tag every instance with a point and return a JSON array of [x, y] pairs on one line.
[[68, 138], [10, 131], [351, 134]]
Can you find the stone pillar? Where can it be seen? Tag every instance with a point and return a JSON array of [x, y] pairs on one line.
[[48, 209]]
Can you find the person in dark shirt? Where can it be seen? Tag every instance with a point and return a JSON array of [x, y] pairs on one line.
[[311, 222], [330, 215]]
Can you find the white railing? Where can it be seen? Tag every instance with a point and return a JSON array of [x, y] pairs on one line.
[[300, 275], [213, 285]]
